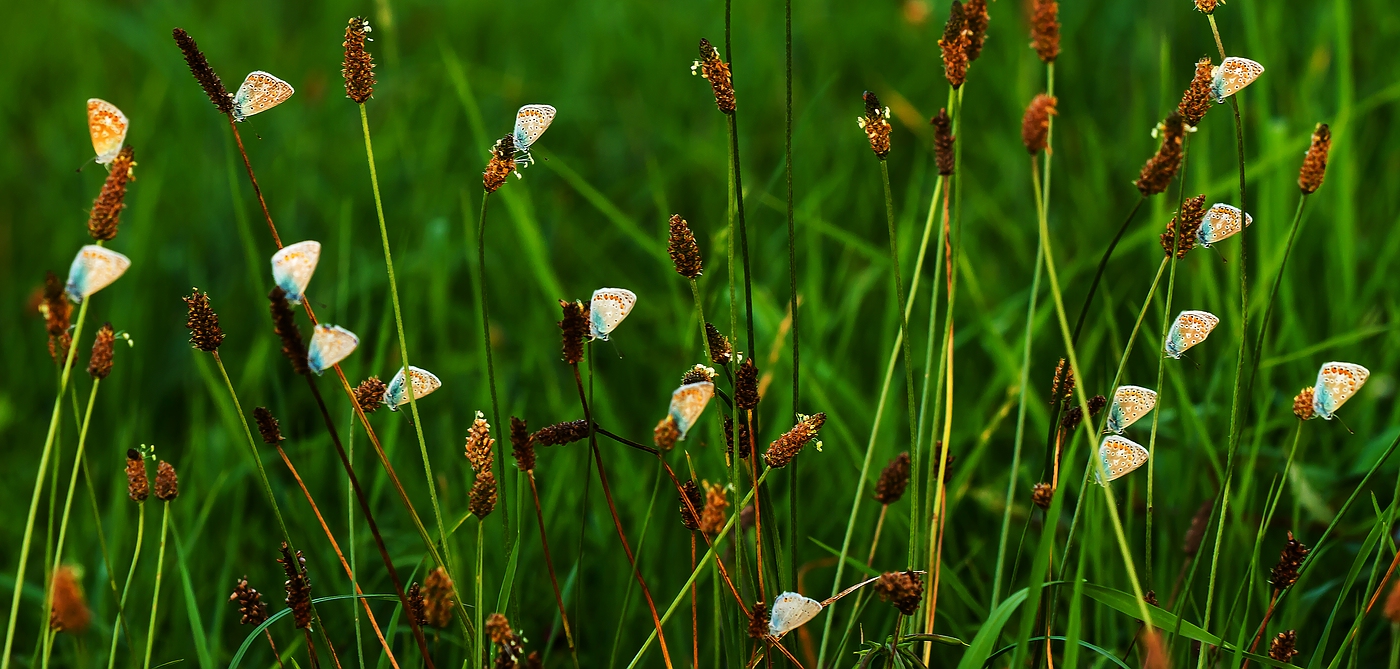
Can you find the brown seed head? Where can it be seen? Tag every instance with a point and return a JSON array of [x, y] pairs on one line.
[[1042, 494], [298, 586], [666, 434], [698, 374], [370, 394], [1045, 29], [58, 347], [975, 12], [876, 125], [956, 42], [1068, 384], [1303, 404], [251, 609], [107, 209], [903, 589], [479, 444], [483, 494], [1207, 6], [1191, 543], [415, 605], [573, 328], [717, 73], [69, 612], [100, 362], [267, 426], [138, 487], [522, 444], [1035, 124], [1188, 221], [358, 67], [720, 350], [498, 629], [501, 164], [1285, 646], [691, 492], [437, 598], [947, 465], [894, 478], [785, 448], [1056, 381], [167, 483], [744, 440], [1159, 170], [284, 323], [1315, 161], [203, 73], [559, 434], [943, 141], [203, 323], [1196, 101], [746, 386], [1069, 422], [758, 621], [716, 512], [1096, 404], [685, 253], [57, 312], [1285, 573]]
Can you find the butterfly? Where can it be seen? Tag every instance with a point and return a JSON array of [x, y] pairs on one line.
[[1129, 404], [329, 345], [791, 611], [1231, 75], [259, 93], [607, 309], [107, 125], [1222, 222], [530, 122], [688, 402], [94, 268], [423, 383], [1190, 328], [1120, 456], [1336, 383], [293, 266]]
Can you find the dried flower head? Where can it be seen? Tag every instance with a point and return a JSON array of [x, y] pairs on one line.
[[438, 600], [698, 374], [1159, 170], [1191, 543], [57, 312], [947, 465], [746, 386], [69, 612], [685, 253], [203, 323], [251, 609], [284, 323], [483, 494], [100, 362], [717, 73], [1042, 494], [715, 514], [416, 609], [107, 209], [358, 68], [721, 352], [1196, 101], [1285, 645], [167, 483], [903, 589], [744, 441], [1068, 385], [1045, 29], [1315, 161], [975, 13], [1208, 6], [1069, 422], [785, 448], [522, 444], [943, 143], [1188, 221], [1056, 381], [1285, 573], [498, 628], [501, 164], [1096, 404], [267, 426], [666, 434], [370, 394], [1303, 404], [1035, 124], [203, 73], [480, 443], [559, 434], [956, 42], [894, 478], [758, 621], [138, 487], [691, 492], [876, 125], [573, 328], [298, 586]]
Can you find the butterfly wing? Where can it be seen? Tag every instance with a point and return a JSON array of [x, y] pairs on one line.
[[329, 345], [688, 402], [607, 308], [293, 266], [1120, 456], [94, 268], [1189, 329], [424, 382], [1234, 74], [1336, 383], [260, 92], [531, 122], [1222, 222], [107, 125], [791, 611], [1129, 404]]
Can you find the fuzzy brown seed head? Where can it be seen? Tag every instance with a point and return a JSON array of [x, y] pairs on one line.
[[903, 589], [203, 323], [876, 125], [1035, 124], [717, 72], [746, 386], [1191, 543], [107, 208], [57, 312], [1042, 494], [479, 444], [251, 608], [956, 42], [370, 394], [498, 629], [203, 73], [1207, 6], [1096, 404], [1069, 422], [894, 478], [522, 444], [559, 434], [1045, 29], [1196, 101], [943, 143], [758, 621], [69, 612], [975, 12], [666, 434], [744, 440], [698, 374], [358, 67], [1315, 162], [501, 164], [1285, 646], [415, 604], [1068, 385], [284, 323], [785, 448], [573, 328], [685, 253], [297, 585], [1303, 404], [1159, 170], [716, 512], [483, 494], [167, 483], [58, 347], [1056, 381], [267, 426], [1188, 221], [138, 487], [721, 352], [438, 601], [1285, 573], [100, 362], [691, 492]]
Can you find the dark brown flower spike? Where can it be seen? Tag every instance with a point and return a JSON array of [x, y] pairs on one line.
[[956, 42], [717, 72], [416, 608], [1045, 29], [894, 478], [267, 426], [203, 73], [1315, 162], [501, 164], [298, 586], [107, 209], [559, 434], [785, 449], [975, 13], [1069, 422], [370, 394], [758, 621], [1159, 170], [743, 438], [284, 323], [692, 492], [1035, 124], [698, 374], [685, 253], [437, 598], [57, 312], [903, 589], [251, 608], [721, 352], [1188, 221], [1284, 647], [358, 67], [1042, 495], [746, 386], [1303, 404], [573, 328], [1196, 101], [1096, 404], [138, 487], [483, 494], [69, 611], [498, 629], [203, 323], [666, 434], [1285, 573], [943, 141], [100, 362], [522, 444], [715, 514], [876, 125], [1056, 381], [167, 483]]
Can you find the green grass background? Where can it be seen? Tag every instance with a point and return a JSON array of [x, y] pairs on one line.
[[636, 139]]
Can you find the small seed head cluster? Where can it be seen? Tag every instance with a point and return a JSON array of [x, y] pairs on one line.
[[1303, 404], [1188, 222], [284, 323], [746, 386], [943, 143], [1285, 573], [1208, 6], [167, 483], [1315, 162], [1284, 647], [1159, 170], [721, 352], [267, 426], [138, 487], [1035, 124], [903, 589], [785, 449], [416, 607], [876, 125], [479, 453], [744, 440], [203, 73], [501, 164], [107, 209], [955, 44], [691, 492], [894, 478], [69, 611], [438, 601], [975, 13], [358, 67], [698, 374], [251, 608], [1196, 101], [57, 312], [685, 253], [715, 514], [758, 621], [1042, 495], [559, 434], [297, 585], [522, 444], [666, 433], [717, 72], [483, 494], [370, 394], [573, 328], [203, 323], [100, 362], [1045, 29]]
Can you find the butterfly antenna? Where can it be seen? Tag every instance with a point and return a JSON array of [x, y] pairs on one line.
[[1192, 361], [616, 350], [1344, 424], [1223, 259], [409, 418]]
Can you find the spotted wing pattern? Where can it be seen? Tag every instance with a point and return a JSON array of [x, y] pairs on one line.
[[607, 308], [424, 383], [1222, 222], [329, 345], [791, 611], [1120, 456], [94, 268], [258, 93], [1189, 329], [1233, 74], [1129, 404], [293, 266], [1336, 383], [688, 402], [107, 125], [531, 122]]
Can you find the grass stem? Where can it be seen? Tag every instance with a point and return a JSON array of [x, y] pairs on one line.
[[155, 596], [67, 507], [130, 573], [549, 563]]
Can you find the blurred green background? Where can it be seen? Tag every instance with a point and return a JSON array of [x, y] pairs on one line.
[[637, 139]]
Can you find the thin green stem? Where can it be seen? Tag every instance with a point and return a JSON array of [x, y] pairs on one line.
[[743, 226], [253, 451], [68, 505], [899, 299], [1273, 293], [350, 537], [130, 573], [486, 335], [1103, 264], [155, 596], [792, 284], [483, 658]]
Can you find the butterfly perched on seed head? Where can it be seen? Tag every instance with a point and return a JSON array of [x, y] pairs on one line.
[[1120, 456], [1231, 75], [607, 309], [1129, 404], [329, 345], [107, 125], [1336, 383], [1222, 222], [94, 268], [259, 92], [688, 402], [293, 266], [1189, 329], [424, 383], [791, 611], [530, 122]]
